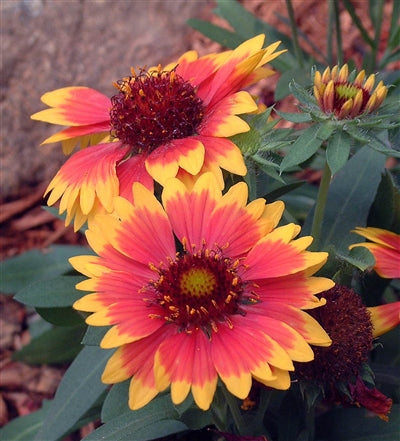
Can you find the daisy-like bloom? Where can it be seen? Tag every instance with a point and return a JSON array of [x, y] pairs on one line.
[[352, 328], [347, 99], [385, 247], [198, 288], [162, 122]]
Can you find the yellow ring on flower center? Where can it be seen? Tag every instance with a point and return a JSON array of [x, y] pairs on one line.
[[197, 282]]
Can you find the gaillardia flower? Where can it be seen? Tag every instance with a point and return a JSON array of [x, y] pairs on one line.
[[352, 328], [198, 288], [385, 247], [337, 95], [161, 122]]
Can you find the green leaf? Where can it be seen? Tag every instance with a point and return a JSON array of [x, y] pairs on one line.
[[57, 345], [79, 389], [351, 194], [301, 94], [353, 424], [34, 265], [58, 292], [155, 420], [338, 150], [94, 335], [116, 402], [301, 76], [216, 33], [24, 428], [385, 212], [295, 117], [306, 145], [359, 257], [61, 316]]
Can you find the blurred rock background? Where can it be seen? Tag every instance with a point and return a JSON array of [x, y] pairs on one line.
[[48, 44]]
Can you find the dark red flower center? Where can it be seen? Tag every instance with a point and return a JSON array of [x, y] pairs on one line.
[[153, 108], [348, 323], [199, 290]]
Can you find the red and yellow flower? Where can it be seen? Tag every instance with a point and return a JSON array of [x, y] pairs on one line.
[[161, 123], [352, 328], [198, 288], [337, 95], [385, 247]]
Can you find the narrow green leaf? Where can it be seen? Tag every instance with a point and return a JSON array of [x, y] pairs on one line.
[[338, 150], [94, 335], [18, 272], [301, 94], [216, 33], [79, 389], [359, 257], [306, 145], [137, 432], [381, 144], [61, 316], [385, 212], [58, 292], [155, 420], [302, 78], [295, 117], [57, 345], [116, 402]]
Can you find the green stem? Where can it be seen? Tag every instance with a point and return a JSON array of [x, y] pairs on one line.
[[339, 48], [320, 206], [377, 37], [310, 423], [295, 36], [235, 411], [329, 51]]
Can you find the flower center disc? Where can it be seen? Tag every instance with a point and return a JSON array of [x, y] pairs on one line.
[[198, 290], [153, 108], [345, 91]]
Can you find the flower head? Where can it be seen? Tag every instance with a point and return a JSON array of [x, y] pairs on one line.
[[352, 328], [198, 288], [385, 247], [161, 122], [336, 94]]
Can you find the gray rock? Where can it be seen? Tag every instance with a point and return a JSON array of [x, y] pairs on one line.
[[50, 44]]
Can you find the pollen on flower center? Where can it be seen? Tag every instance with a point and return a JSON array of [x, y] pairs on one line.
[[199, 290], [153, 108]]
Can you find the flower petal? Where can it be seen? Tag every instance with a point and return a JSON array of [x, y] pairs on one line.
[[384, 317], [75, 106]]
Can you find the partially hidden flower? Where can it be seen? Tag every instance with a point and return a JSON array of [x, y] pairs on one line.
[[338, 95], [385, 247], [198, 288], [162, 122], [370, 398], [352, 328]]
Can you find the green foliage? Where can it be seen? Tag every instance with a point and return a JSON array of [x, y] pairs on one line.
[[36, 265]]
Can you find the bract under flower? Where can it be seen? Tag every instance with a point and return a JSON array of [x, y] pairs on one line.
[[200, 287], [171, 119]]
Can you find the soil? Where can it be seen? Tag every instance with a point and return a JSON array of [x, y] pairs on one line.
[[25, 225]]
